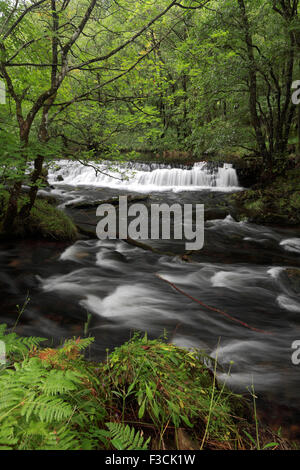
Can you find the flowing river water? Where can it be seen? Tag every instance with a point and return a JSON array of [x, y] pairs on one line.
[[243, 270]]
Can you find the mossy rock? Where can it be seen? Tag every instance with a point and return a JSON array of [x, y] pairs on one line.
[[256, 206], [276, 203], [295, 200], [45, 221]]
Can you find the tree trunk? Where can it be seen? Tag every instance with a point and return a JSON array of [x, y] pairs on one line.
[[288, 10], [255, 118], [12, 206], [38, 163], [38, 168], [298, 124]]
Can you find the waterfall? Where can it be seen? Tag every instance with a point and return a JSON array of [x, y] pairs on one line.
[[143, 177], [227, 176]]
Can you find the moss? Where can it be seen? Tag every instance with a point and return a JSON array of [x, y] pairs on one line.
[[295, 200], [45, 221], [276, 203], [257, 205]]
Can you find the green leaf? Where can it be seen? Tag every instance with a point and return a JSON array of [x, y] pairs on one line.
[[142, 409]]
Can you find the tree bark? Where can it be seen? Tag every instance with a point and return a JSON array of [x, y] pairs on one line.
[[255, 118], [14, 194]]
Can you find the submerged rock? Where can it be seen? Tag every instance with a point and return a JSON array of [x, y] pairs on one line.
[[113, 201], [294, 278]]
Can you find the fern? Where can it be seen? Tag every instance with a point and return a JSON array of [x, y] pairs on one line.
[[17, 347], [48, 409], [61, 439], [51, 400], [7, 437], [126, 438], [55, 399], [60, 381]]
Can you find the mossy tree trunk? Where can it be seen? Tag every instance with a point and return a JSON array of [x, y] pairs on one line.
[[39, 160], [14, 193]]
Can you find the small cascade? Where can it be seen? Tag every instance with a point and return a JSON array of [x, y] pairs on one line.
[[139, 177], [227, 176]]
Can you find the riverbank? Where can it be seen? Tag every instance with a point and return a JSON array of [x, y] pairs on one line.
[[145, 395], [45, 221], [275, 203]]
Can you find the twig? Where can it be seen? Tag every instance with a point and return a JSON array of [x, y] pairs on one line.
[[214, 309]]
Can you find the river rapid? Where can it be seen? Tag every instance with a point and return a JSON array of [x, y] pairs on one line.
[[243, 270]]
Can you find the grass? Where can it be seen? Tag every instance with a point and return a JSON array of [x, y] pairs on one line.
[[147, 394], [45, 221]]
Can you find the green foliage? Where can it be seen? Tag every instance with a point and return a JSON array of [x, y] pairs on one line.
[[17, 347], [182, 86], [126, 438], [50, 399], [168, 385], [55, 399]]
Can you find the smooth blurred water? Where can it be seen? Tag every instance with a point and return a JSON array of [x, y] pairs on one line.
[[139, 178], [242, 271]]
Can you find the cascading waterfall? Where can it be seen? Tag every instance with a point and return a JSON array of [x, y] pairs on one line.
[[145, 177], [227, 176]]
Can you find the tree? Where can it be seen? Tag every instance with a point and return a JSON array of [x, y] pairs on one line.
[[48, 41], [272, 126]]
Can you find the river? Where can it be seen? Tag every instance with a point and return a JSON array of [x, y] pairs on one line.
[[241, 271]]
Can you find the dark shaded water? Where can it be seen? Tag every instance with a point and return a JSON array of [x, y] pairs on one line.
[[241, 270]]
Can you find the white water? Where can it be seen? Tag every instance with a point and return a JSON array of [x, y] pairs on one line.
[[292, 244], [288, 303], [137, 179], [118, 285]]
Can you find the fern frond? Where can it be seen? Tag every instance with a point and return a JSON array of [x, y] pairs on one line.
[[47, 408], [125, 438], [60, 381], [16, 345], [61, 439]]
